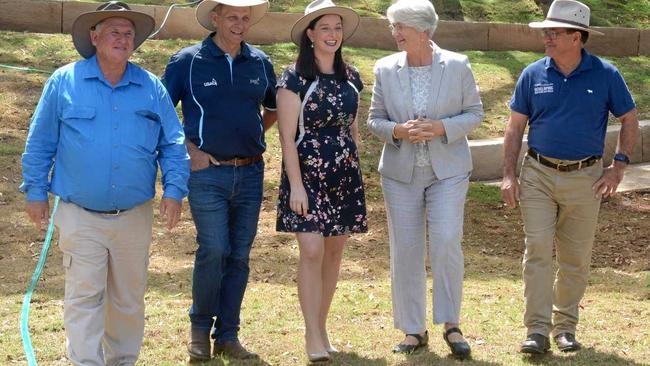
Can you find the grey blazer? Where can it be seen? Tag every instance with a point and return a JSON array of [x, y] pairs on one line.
[[455, 100]]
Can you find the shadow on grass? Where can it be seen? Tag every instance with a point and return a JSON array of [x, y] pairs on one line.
[[429, 358], [586, 356], [353, 358]]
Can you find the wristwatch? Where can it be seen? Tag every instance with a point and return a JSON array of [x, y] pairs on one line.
[[622, 158]]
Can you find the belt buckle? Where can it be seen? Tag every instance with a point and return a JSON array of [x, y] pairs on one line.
[[117, 212], [236, 163]]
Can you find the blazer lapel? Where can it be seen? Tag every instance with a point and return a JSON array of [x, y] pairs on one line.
[[405, 85], [437, 70]]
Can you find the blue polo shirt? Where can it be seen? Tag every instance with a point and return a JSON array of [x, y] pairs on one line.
[[567, 116], [221, 97], [105, 142]]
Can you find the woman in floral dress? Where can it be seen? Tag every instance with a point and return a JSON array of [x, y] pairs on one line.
[[321, 195]]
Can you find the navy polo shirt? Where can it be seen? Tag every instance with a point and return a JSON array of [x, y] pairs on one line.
[[567, 116], [221, 97]]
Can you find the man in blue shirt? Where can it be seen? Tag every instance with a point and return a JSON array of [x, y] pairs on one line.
[[221, 84], [102, 127], [565, 98]]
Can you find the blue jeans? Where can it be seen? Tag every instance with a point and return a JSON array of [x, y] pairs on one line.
[[225, 203]]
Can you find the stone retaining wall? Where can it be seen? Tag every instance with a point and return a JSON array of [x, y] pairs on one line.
[[487, 155], [57, 16]]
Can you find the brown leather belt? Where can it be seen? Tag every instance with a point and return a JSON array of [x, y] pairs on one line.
[[240, 161], [587, 162]]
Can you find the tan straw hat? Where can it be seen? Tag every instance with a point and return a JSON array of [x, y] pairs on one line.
[[258, 10], [567, 14], [142, 22], [317, 8]]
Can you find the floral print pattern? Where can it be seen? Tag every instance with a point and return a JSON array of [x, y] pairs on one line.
[[329, 161]]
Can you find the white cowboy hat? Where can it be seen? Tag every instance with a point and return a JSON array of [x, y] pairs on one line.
[[258, 10], [142, 22], [566, 14], [317, 8]]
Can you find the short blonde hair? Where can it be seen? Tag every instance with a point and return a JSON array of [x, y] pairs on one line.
[[419, 14]]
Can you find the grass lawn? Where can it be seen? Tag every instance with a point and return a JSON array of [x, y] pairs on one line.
[[605, 13], [615, 311], [495, 72]]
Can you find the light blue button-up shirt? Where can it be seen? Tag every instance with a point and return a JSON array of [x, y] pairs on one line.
[[104, 141]]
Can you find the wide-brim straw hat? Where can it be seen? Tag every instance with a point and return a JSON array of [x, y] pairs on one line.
[[143, 23], [350, 18], [258, 10], [567, 14]]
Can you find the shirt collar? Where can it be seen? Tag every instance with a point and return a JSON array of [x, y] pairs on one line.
[[245, 49], [92, 71], [586, 63]]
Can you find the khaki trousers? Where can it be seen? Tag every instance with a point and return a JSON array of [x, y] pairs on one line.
[[105, 259], [557, 207]]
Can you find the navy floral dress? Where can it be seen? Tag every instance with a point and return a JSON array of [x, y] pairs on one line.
[[329, 162]]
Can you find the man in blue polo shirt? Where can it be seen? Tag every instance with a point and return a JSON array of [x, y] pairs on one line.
[[565, 98], [221, 84], [105, 125]]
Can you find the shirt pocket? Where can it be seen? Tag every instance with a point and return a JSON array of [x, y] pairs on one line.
[[146, 130], [79, 123]]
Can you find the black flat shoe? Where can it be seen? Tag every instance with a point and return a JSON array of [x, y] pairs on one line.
[[423, 340], [536, 344], [566, 342], [459, 349]]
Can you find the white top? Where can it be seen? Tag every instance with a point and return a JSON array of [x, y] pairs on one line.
[[421, 91]]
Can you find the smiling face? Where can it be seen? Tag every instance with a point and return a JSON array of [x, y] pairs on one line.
[[327, 34], [232, 24], [557, 42], [408, 38], [113, 39]]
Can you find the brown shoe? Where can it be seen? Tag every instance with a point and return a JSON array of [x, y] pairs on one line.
[[233, 349], [566, 342], [199, 345]]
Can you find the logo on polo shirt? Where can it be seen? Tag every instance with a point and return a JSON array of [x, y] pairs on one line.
[[590, 91], [255, 81], [210, 83], [543, 88]]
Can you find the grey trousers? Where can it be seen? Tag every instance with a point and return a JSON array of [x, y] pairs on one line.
[[434, 207], [105, 260]]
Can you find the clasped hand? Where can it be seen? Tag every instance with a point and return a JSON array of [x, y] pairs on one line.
[[420, 130]]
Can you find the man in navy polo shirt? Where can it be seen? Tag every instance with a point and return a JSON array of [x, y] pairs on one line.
[[221, 83], [565, 98]]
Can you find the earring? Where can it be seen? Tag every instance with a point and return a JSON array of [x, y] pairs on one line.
[[312, 45]]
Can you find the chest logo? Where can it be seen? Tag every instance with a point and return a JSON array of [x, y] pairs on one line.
[[543, 88], [210, 83], [590, 91], [255, 81]]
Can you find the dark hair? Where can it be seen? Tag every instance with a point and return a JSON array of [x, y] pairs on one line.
[[584, 35], [306, 63]]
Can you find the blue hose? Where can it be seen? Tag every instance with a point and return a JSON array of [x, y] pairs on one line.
[[24, 315]]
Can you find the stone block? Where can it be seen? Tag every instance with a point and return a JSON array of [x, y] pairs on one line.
[[644, 42], [31, 16], [72, 9], [273, 28], [181, 23], [644, 131], [615, 42], [507, 37], [487, 158], [373, 33], [461, 36], [611, 141]]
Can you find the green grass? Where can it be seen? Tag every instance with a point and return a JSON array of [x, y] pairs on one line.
[[495, 72], [616, 308], [605, 13]]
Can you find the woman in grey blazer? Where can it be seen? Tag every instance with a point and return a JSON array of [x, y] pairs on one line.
[[424, 104]]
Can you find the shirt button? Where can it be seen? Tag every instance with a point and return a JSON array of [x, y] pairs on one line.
[[115, 127], [113, 186], [114, 109], [565, 80]]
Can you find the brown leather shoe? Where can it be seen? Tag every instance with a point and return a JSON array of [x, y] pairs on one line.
[[199, 345], [233, 349], [566, 342]]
